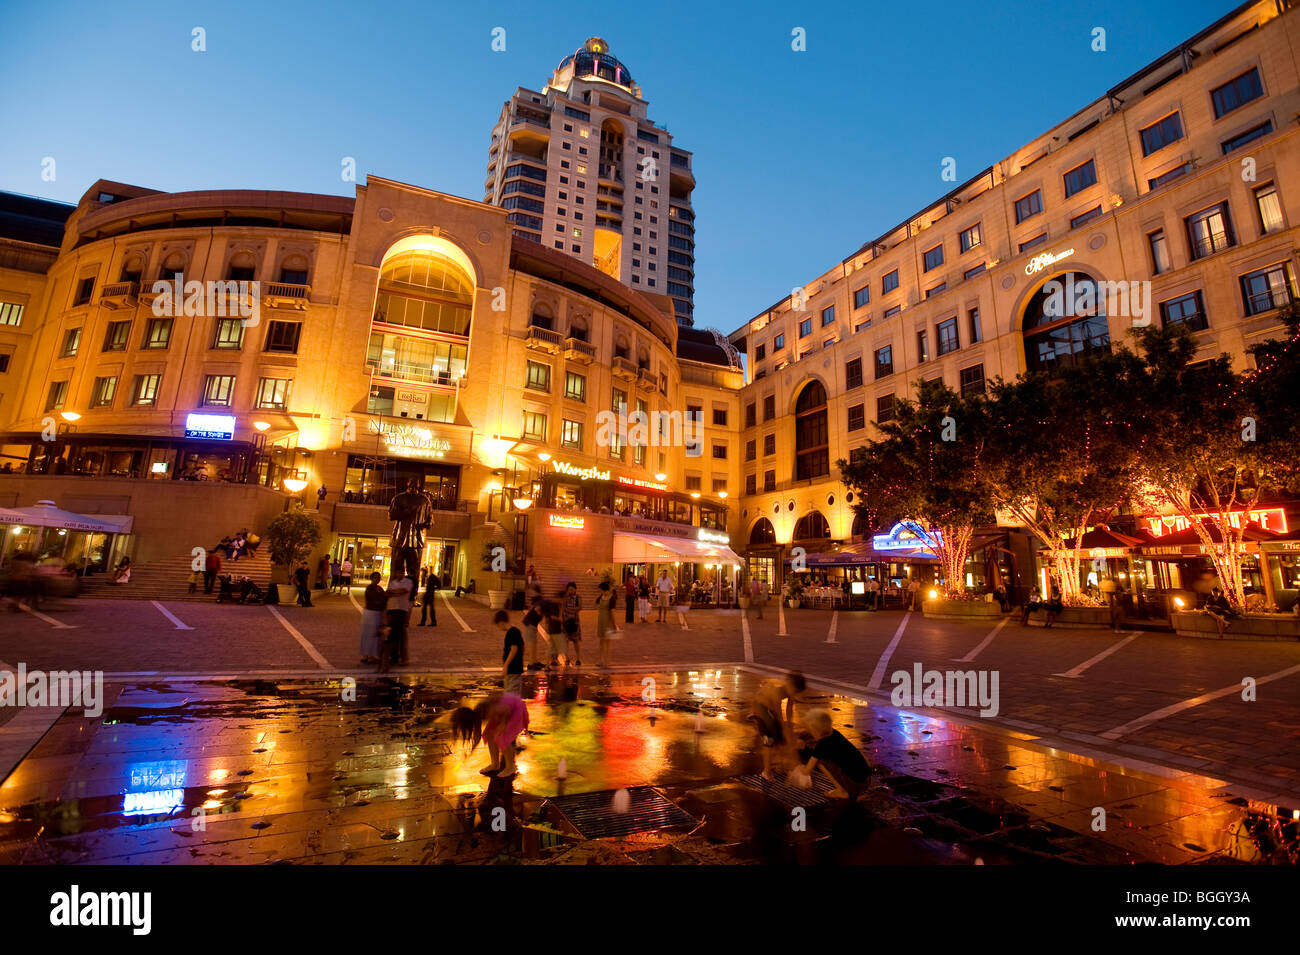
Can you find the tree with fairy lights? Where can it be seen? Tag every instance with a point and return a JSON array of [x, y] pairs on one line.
[[1219, 443], [1061, 456], [925, 467]]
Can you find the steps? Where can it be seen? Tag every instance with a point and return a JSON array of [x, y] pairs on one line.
[[168, 579]]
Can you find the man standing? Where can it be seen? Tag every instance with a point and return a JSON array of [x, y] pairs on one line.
[[665, 588], [428, 610], [301, 579], [320, 496], [913, 589], [873, 594], [345, 575], [211, 567], [399, 615]]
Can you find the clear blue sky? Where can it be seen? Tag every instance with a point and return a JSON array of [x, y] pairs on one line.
[[841, 142]]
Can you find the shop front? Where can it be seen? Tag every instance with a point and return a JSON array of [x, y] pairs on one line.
[[79, 543]]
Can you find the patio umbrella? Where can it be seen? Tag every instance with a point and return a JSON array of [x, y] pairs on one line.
[[48, 514]]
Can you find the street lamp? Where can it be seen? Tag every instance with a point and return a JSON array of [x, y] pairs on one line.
[[70, 416], [261, 425], [523, 503]]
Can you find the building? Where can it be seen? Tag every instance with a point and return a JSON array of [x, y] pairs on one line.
[[584, 171], [197, 361], [1185, 176]]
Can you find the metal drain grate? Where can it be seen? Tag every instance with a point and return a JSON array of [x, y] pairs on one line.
[[593, 815], [788, 795]]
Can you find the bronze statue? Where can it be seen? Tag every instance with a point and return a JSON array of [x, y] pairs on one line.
[[411, 512]]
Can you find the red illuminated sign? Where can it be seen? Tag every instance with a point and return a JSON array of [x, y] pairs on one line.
[[1269, 518], [641, 483]]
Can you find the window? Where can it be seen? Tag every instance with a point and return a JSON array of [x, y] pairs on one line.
[[1236, 93], [218, 390], [693, 482], [828, 315], [1249, 136], [857, 417], [158, 333], [144, 391], [862, 296], [805, 328], [1084, 218], [720, 452], [575, 386], [71, 342], [973, 325], [889, 282], [539, 376], [1268, 288], [922, 347], [1186, 310], [290, 276], [11, 313], [769, 407], [4, 362], [972, 380], [695, 413], [85, 288], [1166, 177], [1270, 208], [946, 336], [751, 483], [571, 434], [972, 272], [101, 395], [1161, 133], [535, 426], [811, 434], [618, 404], [1159, 251], [719, 486], [778, 343], [941, 287], [884, 409], [769, 444], [1210, 231], [769, 481], [891, 312], [229, 334], [1080, 178], [282, 337], [1035, 241], [884, 361], [273, 393], [751, 415], [970, 238], [56, 396], [1053, 341], [720, 417], [751, 450], [1029, 206], [853, 373], [933, 257]]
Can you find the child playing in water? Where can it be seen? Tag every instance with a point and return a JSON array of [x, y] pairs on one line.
[[766, 713], [499, 720], [830, 751]]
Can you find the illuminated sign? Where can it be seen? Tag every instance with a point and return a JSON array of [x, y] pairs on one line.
[[410, 439], [1040, 262], [641, 482], [218, 426], [582, 474], [907, 535], [858, 587], [570, 521], [712, 537], [1269, 518]]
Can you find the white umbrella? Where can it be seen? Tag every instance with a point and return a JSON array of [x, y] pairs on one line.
[[47, 514]]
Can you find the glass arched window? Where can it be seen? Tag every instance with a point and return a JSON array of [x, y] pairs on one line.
[[811, 438], [424, 289], [812, 526], [763, 532], [1062, 323]]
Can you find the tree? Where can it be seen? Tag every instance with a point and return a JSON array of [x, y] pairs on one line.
[[926, 467], [1220, 442], [1061, 455], [292, 536]]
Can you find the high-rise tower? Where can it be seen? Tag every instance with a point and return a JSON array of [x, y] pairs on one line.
[[584, 170]]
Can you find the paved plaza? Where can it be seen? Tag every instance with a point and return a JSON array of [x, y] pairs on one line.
[[242, 718]]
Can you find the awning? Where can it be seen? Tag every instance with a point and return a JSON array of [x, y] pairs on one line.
[[47, 514], [646, 549]]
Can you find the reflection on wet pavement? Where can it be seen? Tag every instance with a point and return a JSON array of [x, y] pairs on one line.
[[324, 772]]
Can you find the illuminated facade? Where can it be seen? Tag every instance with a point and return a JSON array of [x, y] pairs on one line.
[[583, 170]]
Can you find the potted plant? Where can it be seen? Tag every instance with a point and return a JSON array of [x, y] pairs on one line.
[[291, 537], [495, 560], [793, 593]]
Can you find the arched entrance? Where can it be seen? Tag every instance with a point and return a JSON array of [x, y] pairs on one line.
[[1064, 323]]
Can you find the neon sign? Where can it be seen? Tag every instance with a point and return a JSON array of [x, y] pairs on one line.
[[1269, 518], [1040, 262], [567, 521], [410, 439], [218, 426], [908, 535], [582, 474], [712, 537], [641, 482]]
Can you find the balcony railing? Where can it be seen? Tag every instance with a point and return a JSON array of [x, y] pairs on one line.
[[532, 119], [544, 338], [285, 294], [1267, 300], [622, 368], [645, 378], [411, 371], [1209, 244], [579, 350], [118, 293], [382, 496]]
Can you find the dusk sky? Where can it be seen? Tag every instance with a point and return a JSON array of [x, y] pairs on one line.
[[799, 157]]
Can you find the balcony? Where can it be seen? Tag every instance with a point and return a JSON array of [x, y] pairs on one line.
[[541, 120], [610, 173], [575, 349], [119, 295], [285, 295], [544, 339], [412, 371], [645, 378], [622, 368]]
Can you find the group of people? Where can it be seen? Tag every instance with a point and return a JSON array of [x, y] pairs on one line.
[[1053, 606], [387, 618]]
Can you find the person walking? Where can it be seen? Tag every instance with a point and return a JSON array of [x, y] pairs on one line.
[[399, 616], [336, 575], [301, 579], [664, 587], [372, 620], [512, 653], [571, 621], [532, 620], [756, 596], [629, 588], [345, 575], [320, 496], [211, 567], [323, 572], [605, 621], [643, 599], [553, 631], [873, 594], [428, 607], [913, 589]]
